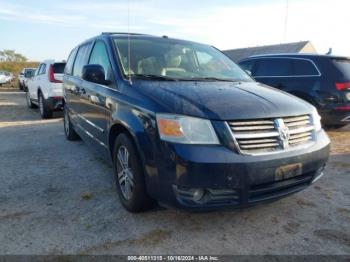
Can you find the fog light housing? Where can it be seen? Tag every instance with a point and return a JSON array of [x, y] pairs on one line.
[[198, 194]]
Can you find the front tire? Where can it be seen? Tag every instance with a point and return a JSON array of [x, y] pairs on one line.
[[69, 131], [131, 186], [45, 112]]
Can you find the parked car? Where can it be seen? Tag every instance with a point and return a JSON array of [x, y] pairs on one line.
[[5, 77], [322, 80], [27, 76], [23, 77], [45, 88], [185, 126]]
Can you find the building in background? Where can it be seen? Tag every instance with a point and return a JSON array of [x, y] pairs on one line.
[[297, 47]]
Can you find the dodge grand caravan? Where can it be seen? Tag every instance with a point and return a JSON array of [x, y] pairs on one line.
[[322, 80], [184, 126]]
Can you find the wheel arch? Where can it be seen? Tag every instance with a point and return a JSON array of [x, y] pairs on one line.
[[116, 129]]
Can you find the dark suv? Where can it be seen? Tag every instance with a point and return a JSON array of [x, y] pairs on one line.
[[185, 126], [322, 80]]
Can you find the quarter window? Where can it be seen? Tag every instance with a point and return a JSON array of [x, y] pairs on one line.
[[69, 66], [304, 68]]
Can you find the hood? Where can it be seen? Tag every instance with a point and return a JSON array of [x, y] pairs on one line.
[[222, 100]]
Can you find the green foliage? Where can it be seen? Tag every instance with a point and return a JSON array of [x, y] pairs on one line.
[[16, 67]]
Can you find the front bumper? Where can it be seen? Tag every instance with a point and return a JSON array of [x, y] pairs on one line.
[[230, 179]]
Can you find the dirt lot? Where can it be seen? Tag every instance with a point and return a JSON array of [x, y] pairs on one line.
[[58, 197]]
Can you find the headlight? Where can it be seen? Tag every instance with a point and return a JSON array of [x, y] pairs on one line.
[[186, 130], [316, 119]]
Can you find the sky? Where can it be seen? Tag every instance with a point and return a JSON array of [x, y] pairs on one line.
[[42, 29]]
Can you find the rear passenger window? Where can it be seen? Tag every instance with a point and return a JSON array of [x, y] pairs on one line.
[[274, 67], [42, 69], [81, 59], [99, 56], [69, 66], [304, 68]]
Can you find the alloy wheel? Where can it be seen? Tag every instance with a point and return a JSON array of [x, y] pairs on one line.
[[125, 175]]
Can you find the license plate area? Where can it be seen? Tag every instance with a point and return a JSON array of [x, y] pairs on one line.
[[288, 171]]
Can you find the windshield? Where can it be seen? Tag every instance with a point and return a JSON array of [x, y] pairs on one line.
[[343, 65], [175, 59]]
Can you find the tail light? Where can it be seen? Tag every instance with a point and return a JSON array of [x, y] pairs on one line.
[[52, 78], [343, 86], [343, 108]]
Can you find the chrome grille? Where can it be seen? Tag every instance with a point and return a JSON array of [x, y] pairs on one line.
[[271, 135]]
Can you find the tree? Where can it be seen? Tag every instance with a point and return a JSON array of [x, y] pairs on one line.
[[11, 56]]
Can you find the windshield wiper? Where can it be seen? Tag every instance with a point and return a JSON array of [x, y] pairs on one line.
[[208, 79], [155, 77]]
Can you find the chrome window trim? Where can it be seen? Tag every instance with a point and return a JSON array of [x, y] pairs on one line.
[[283, 57]]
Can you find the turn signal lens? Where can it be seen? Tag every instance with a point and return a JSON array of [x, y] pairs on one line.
[[186, 129], [169, 127]]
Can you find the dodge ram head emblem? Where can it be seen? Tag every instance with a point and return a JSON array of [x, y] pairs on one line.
[[283, 132]]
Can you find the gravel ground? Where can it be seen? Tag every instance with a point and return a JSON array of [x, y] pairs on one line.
[[58, 197]]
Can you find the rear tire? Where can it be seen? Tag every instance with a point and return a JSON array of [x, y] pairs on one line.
[[130, 180], [29, 101], [45, 112], [69, 131]]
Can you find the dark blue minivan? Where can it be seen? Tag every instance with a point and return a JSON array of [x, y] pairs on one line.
[[184, 126]]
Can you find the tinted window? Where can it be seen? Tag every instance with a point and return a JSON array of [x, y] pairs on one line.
[[99, 56], [344, 66], [81, 60], [304, 68], [69, 66], [273, 67], [58, 68]]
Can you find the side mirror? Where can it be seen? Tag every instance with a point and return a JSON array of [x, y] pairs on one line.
[[95, 74]]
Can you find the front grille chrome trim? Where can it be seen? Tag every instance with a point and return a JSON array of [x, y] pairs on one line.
[[263, 137]]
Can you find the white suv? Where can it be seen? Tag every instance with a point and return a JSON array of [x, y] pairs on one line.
[[45, 88]]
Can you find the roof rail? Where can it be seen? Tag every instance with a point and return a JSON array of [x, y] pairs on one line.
[[120, 33]]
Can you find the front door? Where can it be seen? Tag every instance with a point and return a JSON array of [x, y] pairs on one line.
[[93, 96]]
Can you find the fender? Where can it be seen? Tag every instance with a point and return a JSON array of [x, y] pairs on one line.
[[139, 124]]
